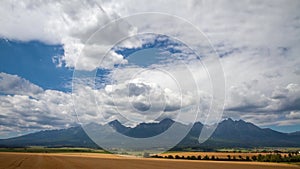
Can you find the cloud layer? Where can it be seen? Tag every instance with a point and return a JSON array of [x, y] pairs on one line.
[[258, 44], [26, 107]]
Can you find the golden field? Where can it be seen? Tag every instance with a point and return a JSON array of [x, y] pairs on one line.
[[108, 161]]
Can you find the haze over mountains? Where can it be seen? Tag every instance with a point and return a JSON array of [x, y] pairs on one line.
[[229, 133]]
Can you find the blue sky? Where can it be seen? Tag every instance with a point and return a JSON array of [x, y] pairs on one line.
[[258, 47], [34, 62]]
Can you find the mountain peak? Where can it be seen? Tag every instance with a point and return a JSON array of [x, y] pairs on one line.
[[114, 122], [227, 121], [117, 123], [230, 120], [167, 120]]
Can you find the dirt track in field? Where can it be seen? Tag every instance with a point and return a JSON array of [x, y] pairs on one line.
[[106, 161]]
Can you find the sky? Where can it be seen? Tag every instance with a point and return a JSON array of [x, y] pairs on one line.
[[64, 63]]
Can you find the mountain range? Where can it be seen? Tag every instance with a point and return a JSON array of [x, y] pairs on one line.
[[229, 134]]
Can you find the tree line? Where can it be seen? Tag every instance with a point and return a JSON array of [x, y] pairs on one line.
[[291, 157]]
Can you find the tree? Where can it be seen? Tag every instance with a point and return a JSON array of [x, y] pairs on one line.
[[170, 157], [259, 157], [275, 158], [206, 157], [254, 158], [267, 158]]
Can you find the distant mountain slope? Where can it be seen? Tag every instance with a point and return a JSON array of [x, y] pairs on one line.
[[71, 137], [229, 133], [297, 133]]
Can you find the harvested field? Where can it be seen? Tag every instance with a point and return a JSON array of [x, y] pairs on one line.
[[107, 161]]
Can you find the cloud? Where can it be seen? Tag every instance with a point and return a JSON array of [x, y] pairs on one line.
[[246, 25], [69, 24], [271, 119], [141, 94], [48, 110], [135, 99], [281, 99], [244, 99], [50, 27], [279, 107], [261, 83], [26, 107], [293, 115], [13, 84], [289, 100]]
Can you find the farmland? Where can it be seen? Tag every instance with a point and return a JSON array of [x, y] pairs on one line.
[[10, 160]]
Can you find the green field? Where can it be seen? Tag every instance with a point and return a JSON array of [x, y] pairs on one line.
[[39, 149]]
